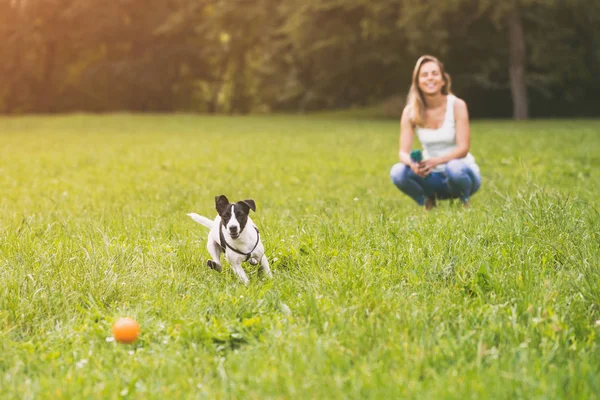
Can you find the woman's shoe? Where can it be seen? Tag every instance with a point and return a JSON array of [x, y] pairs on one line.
[[430, 203]]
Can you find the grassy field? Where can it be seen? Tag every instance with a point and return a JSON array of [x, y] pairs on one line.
[[371, 297]]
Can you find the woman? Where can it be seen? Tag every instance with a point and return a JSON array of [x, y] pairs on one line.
[[441, 121]]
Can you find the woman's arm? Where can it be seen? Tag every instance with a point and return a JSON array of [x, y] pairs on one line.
[[406, 139], [463, 137]]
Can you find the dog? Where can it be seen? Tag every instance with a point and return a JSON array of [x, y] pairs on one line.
[[232, 232]]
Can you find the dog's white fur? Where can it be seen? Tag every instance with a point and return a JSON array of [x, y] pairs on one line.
[[244, 243]]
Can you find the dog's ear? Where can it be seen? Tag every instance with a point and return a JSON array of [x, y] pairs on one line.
[[250, 203], [221, 203]]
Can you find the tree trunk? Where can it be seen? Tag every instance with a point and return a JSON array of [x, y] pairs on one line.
[[517, 54]]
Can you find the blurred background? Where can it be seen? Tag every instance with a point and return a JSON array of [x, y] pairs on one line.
[[508, 59]]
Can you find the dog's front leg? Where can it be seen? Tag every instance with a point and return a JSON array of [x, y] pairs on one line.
[[239, 271], [215, 252], [264, 265]]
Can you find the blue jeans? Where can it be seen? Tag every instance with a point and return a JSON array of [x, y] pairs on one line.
[[458, 181]]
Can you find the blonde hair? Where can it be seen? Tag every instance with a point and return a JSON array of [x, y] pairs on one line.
[[416, 100]]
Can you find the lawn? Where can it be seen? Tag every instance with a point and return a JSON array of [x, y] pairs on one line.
[[371, 297]]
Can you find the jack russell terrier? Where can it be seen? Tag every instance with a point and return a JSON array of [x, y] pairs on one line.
[[232, 232]]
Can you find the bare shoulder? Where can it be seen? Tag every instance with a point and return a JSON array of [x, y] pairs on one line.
[[459, 103], [407, 113], [460, 107]]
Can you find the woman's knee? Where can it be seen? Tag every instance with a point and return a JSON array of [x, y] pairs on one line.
[[456, 169], [398, 173]]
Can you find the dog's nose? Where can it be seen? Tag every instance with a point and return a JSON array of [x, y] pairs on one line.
[[233, 229]]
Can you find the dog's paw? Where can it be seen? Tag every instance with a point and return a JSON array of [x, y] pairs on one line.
[[213, 265]]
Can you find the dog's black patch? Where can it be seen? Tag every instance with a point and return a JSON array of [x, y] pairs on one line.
[[250, 203], [226, 215], [221, 203], [240, 210]]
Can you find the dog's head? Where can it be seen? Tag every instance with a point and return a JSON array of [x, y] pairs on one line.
[[234, 216]]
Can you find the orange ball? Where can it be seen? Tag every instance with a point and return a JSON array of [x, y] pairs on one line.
[[126, 330]]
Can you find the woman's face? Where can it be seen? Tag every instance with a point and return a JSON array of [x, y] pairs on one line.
[[431, 80]]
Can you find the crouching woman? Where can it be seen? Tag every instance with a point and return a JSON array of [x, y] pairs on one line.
[[441, 122]]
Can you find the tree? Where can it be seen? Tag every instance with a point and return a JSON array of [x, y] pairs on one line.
[[535, 57]]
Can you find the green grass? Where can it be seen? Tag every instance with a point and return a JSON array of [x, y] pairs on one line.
[[371, 297]]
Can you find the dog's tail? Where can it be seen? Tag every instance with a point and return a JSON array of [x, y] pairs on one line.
[[201, 220]]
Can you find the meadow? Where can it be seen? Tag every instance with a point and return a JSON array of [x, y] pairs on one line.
[[372, 297]]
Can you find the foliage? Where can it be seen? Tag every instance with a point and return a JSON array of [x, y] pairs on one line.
[[243, 56]]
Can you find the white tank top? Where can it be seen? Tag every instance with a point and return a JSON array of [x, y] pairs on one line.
[[439, 142]]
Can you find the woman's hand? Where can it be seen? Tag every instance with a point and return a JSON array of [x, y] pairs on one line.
[[418, 169], [428, 165]]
